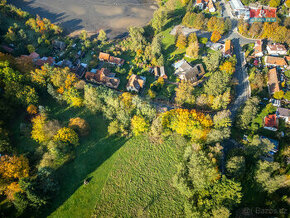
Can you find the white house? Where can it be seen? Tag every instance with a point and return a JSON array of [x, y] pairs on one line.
[[276, 49], [283, 113]]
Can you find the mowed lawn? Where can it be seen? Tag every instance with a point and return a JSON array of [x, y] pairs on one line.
[[140, 182], [133, 170]]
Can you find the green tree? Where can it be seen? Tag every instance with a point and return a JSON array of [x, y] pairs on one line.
[[236, 166], [217, 84], [257, 147], [265, 176], [222, 119], [248, 113], [102, 36], [159, 19]]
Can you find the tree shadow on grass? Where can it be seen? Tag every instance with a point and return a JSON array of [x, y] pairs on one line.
[[90, 155]]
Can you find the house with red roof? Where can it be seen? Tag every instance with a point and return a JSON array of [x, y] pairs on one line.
[[271, 122]]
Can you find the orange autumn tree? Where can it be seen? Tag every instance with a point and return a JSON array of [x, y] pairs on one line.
[[32, 109], [215, 36], [187, 123], [13, 167]]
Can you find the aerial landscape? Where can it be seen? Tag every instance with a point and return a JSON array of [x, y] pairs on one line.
[[144, 108]]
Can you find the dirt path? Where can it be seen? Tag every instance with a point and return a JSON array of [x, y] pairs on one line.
[[114, 16]]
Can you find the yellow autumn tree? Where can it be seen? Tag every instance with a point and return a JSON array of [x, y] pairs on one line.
[[127, 98], [14, 167], [67, 135], [187, 123], [181, 41], [38, 132], [228, 67], [42, 75], [139, 125]]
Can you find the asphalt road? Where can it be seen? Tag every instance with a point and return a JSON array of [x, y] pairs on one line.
[[114, 16]]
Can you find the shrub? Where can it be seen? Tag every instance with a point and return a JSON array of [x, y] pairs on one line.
[[79, 125]]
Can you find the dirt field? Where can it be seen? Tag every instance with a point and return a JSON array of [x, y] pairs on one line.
[[114, 16]]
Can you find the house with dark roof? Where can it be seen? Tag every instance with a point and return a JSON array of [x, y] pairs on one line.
[[80, 70], [58, 44], [283, 113], [271, 122], [136, 83], [188, 73], [104, 77], [273, 83]]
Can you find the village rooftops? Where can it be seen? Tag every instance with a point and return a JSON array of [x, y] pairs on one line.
[[188, 73], [104, 77], [44, 60], [160, 72], [258, 48], [271, 122], [117, 61], [237, 5], [228, 49], [104, 56], [273, 83], [275, 61], [111, 59], [276, 49], [136, 83], [283, 113]]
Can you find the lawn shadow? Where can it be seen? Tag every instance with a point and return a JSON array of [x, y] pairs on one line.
[[90, 155]]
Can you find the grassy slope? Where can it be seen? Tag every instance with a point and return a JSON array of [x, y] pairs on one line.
[[100, 158], [140, 182], [148, 167]]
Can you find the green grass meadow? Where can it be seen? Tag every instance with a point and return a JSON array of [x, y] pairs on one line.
[[127, 176]]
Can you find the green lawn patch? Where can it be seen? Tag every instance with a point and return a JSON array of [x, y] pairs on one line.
[[140, 182]]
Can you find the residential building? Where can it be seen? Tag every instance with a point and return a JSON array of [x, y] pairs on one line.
[[276, 49], [44, 60], [116, 61], [104, 77], [228, 48], [188, 73], [58, 44], [104, 56], [271, 122], [159, 72], [111, 59], [283, 113], [201, 4], [258, 48], [80, 70], [239, 10], [211, 6], [271, 61], [273, 83], [136, 83]]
